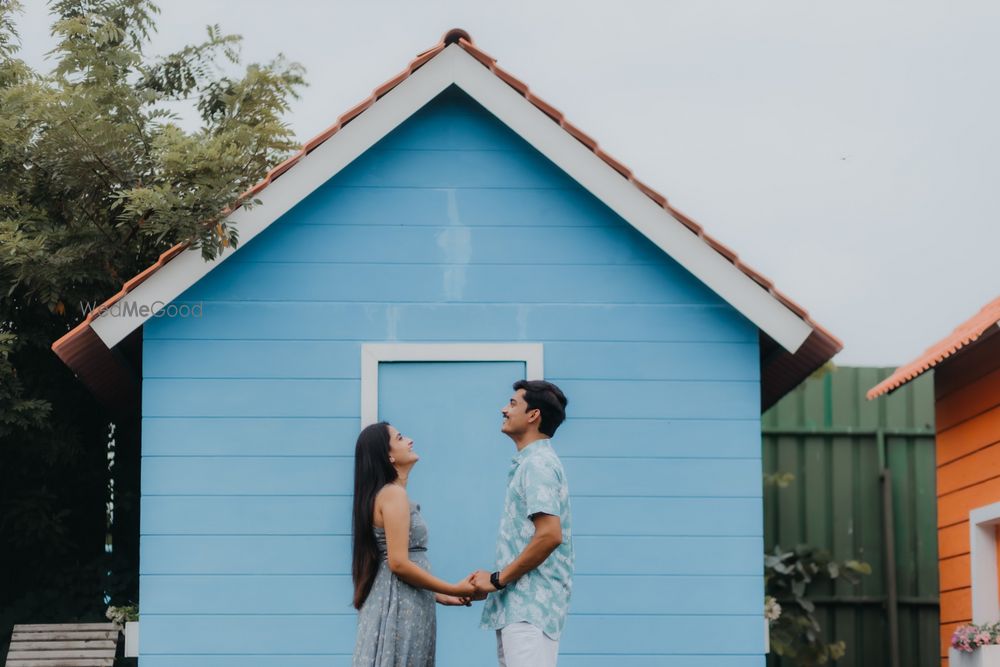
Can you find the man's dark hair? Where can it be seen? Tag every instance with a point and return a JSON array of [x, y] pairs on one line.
[[548, 399]]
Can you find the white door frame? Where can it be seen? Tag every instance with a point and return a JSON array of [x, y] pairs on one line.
[[372, 354]]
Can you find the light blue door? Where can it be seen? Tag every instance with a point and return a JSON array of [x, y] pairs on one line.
[[452, 412]]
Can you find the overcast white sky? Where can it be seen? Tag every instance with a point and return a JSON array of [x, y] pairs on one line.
[[850, 151]]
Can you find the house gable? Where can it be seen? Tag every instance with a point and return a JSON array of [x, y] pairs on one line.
[[251, 411], [454, 66]]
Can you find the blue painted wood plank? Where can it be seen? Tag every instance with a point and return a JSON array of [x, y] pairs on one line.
[[287, 659], [340, 398], [390, 167], [340, 359], [249, 594], [331, 204], [658, 660], [307, 321], [667, 516], [663, 634], [332, 633], [457, 322], [252, 359], [577, 437], [250, 398], [241, 436], [454, 120], [638, 594], [456, 244], [330, 515], [235, 634], [245, 515], [668, 555], [245, 554], [652, 361], [706, 438], [661, 398], [454, 282], [330, 554], [612, 476], [331, 594], [228, 475], [334, 660]]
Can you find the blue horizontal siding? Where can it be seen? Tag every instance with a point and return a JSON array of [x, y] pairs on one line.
[[335, 436], [692, 634], [333, 359], [515, 170], [619, 399], [334, 204], [551, 246], [331, 554], [251, 398], [334, 633], [330, 515], [450, 229], [331, 594], [245, 554], [333, 475], [241, 436], [344, 660], [284, 659], [375, 321], [455, 282]]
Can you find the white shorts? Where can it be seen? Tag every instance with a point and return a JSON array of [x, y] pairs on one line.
[[524, 645]]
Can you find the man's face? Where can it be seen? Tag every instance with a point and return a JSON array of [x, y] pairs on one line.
[[516, 415]]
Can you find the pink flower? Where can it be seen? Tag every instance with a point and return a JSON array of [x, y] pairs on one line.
[[982, 638]]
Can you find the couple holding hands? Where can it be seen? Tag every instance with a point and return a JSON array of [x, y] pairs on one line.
[[527, 593]]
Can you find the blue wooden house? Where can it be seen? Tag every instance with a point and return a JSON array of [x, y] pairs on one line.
[[451, 234]]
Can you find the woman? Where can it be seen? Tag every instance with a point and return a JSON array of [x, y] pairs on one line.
[[394, 590]]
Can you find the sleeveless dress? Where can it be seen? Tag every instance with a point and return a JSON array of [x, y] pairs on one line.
[[397, 624]]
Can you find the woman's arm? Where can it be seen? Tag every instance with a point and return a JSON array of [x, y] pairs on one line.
[[395, 510]]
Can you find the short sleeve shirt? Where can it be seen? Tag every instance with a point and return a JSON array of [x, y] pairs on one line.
[[536, 484]]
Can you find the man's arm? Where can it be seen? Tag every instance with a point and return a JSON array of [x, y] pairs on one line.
[[547, 537]]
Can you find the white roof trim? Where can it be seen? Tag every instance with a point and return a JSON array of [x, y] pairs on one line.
[[455, 66]]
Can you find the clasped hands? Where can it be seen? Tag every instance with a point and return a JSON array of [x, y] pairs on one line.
[[475, 587]]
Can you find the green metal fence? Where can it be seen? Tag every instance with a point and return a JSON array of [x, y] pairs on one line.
[[863, 488]]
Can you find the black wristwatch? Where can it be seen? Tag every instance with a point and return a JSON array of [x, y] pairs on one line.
[[495, 580]]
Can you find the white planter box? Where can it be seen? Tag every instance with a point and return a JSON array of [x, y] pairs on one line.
[[132, 639], [984, 656]]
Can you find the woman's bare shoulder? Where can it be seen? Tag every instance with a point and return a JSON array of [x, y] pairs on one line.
[[391, 493]]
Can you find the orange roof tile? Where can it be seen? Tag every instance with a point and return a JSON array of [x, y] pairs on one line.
[[967, 333], [822, 342]]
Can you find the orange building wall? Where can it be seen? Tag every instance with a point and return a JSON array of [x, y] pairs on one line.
[[967, 411]]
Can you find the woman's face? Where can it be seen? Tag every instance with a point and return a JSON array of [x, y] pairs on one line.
[[401, 449]]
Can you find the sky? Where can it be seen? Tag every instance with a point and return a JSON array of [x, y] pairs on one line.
[[849, 151]]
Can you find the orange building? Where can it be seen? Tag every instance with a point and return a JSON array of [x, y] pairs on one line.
[[967, 415]]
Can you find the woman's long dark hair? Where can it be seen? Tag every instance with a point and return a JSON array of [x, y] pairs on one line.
[[372, 471]]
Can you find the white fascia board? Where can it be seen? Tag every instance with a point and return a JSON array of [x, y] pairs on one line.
[[312, 170], [625, 199], [455, 66], [372, 354]]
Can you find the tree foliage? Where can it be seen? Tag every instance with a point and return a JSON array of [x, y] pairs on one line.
[[97, 178]]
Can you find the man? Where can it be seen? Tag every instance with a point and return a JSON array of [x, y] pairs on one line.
[[530, 589]]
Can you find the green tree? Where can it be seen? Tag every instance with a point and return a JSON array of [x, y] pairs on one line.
[[97, 178]]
